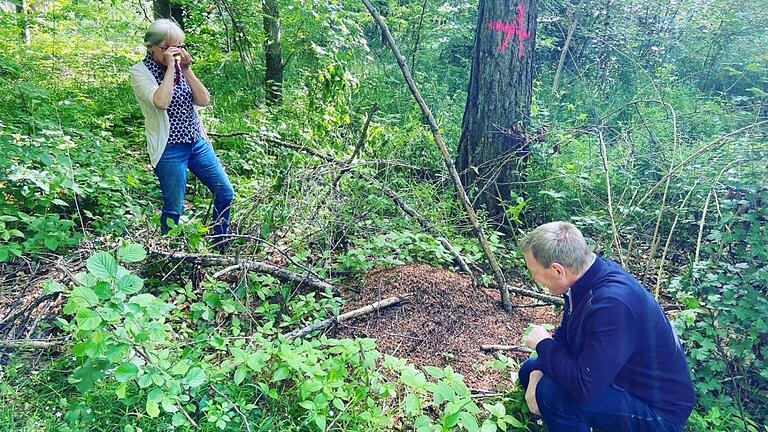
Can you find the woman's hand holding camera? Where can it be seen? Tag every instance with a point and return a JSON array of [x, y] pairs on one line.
[[176, 55]]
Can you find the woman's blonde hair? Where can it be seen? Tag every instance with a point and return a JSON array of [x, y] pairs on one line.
[[162, 30]]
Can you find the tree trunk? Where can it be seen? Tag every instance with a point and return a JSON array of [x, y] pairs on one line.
[[273, 76], [493, 148], [573, 14], [21, 7], [169, 9]]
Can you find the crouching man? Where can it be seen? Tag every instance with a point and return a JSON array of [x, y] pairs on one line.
[[614, 363]]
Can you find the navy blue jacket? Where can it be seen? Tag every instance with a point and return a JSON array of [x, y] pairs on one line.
[[614, 332]]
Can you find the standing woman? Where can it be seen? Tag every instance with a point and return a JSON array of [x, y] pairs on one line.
[[167, 91]]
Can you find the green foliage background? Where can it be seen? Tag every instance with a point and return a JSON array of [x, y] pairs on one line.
[[676, 91]]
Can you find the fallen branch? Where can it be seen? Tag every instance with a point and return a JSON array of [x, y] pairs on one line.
[[392, 195], [424, 224], [515, 348], [533, 294], [433, 127], [281, 273], [358, 147], [347, 316], [29, 343]]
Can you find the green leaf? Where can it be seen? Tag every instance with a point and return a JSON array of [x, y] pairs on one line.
[[131, 253], [497, 409], [85, 296], [412, 404], [514, 422], [488, 426], [153, 409], [121, 391], [130, 284], [320, 421], [443, 393], [181, 367], [240, 374], [469, 422], [195, 377], [51, 243], [413, 378], [435, 372], [87, 319], [281, 374], [126, 372], [142, 299], [102, 265]]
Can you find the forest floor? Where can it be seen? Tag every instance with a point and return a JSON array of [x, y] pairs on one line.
[[444, 323]]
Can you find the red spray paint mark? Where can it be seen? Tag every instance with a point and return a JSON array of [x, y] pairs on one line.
[[516, 27]]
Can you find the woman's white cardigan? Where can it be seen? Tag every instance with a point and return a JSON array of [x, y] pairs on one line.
[[156, 124]]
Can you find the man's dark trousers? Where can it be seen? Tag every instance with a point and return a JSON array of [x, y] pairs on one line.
[[613, 411]]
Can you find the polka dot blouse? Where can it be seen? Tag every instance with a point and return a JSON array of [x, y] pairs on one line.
[[185, 125]]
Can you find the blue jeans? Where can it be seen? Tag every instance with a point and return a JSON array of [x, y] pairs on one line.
[[614, 411], [199, 158]]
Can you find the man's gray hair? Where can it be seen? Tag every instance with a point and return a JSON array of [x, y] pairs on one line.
[[162, 30], [557, 242]]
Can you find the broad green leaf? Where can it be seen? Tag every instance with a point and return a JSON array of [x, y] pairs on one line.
[[153, 409], [281, 374], [435, 372], [142, 299], [320, 421], [469, 421], [411, 377], [130, 284], [443, 393], [168, 404], [412, 404], [51, 243], [126, 372], [155, 394], [131, 253], [488, 426], [181, 367], [496, 409], [86, 279], [195, 377], [87, 319], [87, 296], [178, 420], [103, 265], [240, 374], [121, 391]]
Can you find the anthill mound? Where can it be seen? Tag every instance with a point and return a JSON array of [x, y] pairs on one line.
[[444, 322]]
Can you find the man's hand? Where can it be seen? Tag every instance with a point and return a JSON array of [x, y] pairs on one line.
[[537, 334], [530, 392]]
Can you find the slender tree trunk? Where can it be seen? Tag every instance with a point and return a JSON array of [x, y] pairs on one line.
[[273, 76], [169, 9], [418, 37], [22, 7], [573, 13], [493, 148]]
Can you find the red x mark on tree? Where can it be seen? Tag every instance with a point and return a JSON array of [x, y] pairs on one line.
[[516, 27]]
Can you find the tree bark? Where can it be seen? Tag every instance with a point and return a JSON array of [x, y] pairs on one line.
[[273, 76], [169, 9], [493, 148]]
